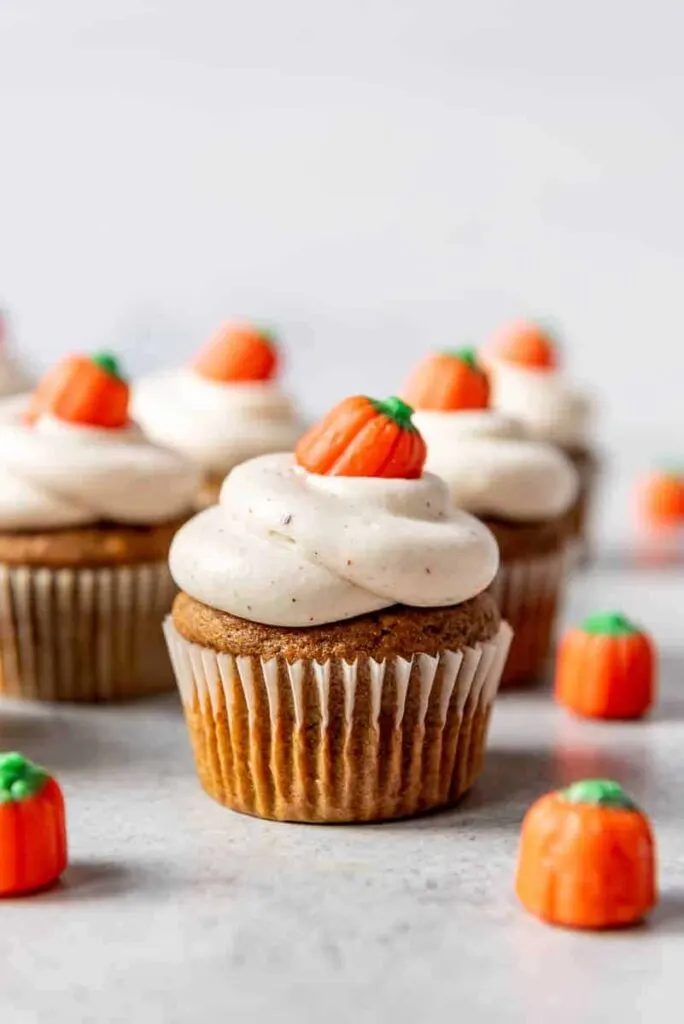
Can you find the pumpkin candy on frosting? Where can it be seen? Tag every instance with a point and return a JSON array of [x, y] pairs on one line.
[[86, 390], [238, 353], [526, 343], [364, 437], [448, 381]]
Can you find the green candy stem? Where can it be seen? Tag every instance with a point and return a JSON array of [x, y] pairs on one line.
[[609, 624], [466, 355], [396, 409], [599, 793], [19, 778], [107, 362]]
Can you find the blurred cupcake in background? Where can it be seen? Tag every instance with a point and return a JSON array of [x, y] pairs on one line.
[[88, 508], [521, 489], [527, 381], [226, 406], [335, 648], [15, 380]]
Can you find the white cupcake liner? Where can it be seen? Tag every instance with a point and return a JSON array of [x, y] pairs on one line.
[[337, 741], [528, 591], [84, 634]]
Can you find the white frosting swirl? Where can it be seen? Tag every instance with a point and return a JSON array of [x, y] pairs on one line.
[[289, 548], [217, 425], [551, 408], [56, 475], [491, 470]]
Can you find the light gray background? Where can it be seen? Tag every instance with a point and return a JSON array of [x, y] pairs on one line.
[[374, 176]]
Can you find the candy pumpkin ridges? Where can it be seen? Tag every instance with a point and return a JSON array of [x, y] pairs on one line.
[[86, 390], [587, 858], [527, 343], [606, 668], [238, 353], [33, 846], [364, 437], [448, 381]]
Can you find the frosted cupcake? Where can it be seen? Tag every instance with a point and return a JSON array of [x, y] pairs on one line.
[[224, 408], [334, 646], [88, 507], [15, 381], [521, 489], [527, 383]]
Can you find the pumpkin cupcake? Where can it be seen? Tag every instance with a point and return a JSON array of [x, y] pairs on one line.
[[224, 408], [521, 489], [15, 381], [88, 507], [527, 382], [334, 646]]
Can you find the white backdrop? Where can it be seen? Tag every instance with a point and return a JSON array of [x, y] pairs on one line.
[[376, 177]]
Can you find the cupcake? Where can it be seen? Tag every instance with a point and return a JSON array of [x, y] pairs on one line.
[[335, 648], [14, 379], [88, 507], [224, 408], [521, 489], [527, 383]]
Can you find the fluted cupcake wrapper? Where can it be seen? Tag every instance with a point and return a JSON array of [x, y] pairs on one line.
[[84, 634], [528, 592], [337, 741]]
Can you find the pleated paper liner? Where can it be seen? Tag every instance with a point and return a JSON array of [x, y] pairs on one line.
[[528, 592], [338, 741], [84, 634]]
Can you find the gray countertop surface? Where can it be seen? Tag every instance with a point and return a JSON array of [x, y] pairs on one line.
[[174, 909]]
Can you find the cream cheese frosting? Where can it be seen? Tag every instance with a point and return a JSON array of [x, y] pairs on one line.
[[491, 469], [57, 475], [217, 425], [549, 405], [289, 548]]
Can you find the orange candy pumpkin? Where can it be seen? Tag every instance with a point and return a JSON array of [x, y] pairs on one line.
[[88, 390], [661, 498], [364, 437], [527, 344], [587, 858], [33, 844], [448, 381], [238, 353], [606, 668]]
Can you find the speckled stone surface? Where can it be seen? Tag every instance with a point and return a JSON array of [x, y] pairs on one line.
[[176, 910]]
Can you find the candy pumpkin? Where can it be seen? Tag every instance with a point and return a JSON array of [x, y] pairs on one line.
[[238, 353], [448, 381], [87, 390], [587, 858], [33, 846], [661, 498], [364, 437], [527, 344], [606, 668]]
